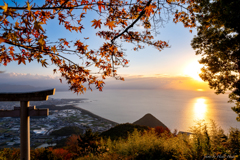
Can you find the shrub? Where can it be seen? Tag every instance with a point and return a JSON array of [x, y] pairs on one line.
[[42, 153], [206, 140], [61, 154], [10, 153], [89, 143]]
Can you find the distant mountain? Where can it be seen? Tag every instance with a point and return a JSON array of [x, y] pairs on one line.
[[16, 88], [150, 121], [24, 88]]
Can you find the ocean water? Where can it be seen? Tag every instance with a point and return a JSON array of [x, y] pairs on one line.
[[175, 108]]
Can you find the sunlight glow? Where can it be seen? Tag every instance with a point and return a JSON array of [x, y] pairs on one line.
[[200, 108], [193, 69]]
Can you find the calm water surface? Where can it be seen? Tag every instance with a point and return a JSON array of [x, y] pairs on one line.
[[176, 109]]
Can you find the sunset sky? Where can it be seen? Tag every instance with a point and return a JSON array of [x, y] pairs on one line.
[[173, 68]]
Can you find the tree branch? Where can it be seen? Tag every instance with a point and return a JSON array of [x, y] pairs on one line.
[[61, 7], [34, 49], [130, 26]]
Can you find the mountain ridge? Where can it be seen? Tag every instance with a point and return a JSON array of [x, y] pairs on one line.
[[150, 121]]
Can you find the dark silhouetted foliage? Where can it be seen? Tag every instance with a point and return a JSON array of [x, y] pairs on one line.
[[67, 131], [88, 143], [218, 42], [122, 131]]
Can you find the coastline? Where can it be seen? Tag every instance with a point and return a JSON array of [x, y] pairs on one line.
[[54, 107]]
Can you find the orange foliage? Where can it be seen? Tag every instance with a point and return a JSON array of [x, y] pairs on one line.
[[159, 130], [97, 23], [72, 144], [61, 153], [23, 28]]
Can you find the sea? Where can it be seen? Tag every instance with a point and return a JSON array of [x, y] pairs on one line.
[[177, 109]]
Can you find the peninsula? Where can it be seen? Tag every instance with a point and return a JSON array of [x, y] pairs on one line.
[[62, 113]]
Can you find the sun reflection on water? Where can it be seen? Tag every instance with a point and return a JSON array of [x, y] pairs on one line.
[[200, 108]]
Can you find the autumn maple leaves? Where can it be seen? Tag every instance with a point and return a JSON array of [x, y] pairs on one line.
[[97, 24], [24, 32]]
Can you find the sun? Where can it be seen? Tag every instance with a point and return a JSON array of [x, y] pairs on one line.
[[193, 69]]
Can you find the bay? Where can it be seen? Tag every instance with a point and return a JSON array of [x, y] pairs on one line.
[[177, 109]]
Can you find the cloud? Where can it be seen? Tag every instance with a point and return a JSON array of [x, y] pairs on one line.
[[37, 81], [157, 82], [131, 82]]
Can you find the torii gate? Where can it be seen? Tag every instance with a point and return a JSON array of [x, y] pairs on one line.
[[24, 112]]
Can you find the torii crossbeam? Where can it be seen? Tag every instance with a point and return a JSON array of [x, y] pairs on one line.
[[24, 112]]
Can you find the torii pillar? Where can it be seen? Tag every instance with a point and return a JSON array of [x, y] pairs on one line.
[[24, 112]]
